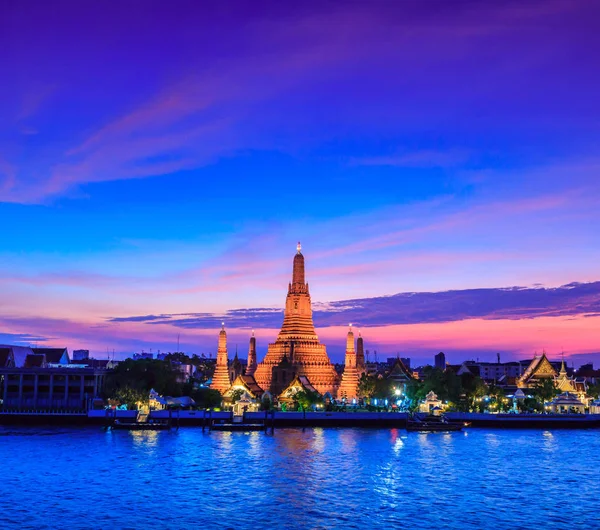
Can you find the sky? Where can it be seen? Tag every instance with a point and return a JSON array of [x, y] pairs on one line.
[[439, 161]]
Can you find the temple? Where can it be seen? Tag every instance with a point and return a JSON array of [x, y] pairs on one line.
[[221, 380], [540, 368], [296, 357], [349, 386], [297, 346], [251, 367]]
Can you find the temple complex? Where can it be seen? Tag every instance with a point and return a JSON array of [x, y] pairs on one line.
[[221, 381], [297, 345], [349, 386]]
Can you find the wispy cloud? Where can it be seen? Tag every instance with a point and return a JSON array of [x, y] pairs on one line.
[[513, 303]]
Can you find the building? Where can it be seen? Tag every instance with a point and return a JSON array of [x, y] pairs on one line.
[[81, 355], [236, 367], [400, 375], [297, 343], [431, 405], [41, 387], [539, 369], [349, 386], [567, 403], [54, 356], [440, 361], [499, 373], [220, 379], [251, 366], [295, 359], [360, 354], [143, 355], [577, 387], [7, 359]]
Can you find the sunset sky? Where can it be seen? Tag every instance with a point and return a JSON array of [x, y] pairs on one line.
[[439, 161]]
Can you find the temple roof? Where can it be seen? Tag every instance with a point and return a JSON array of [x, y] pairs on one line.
[[399, 371], [6, 358], [539, 368], [298, 384], [53, 355], [35, 360], [566, 398], [248, 383]]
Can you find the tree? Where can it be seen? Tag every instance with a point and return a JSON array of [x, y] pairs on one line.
[[305, 398], [131, 397], [545, 390], [143, 375], [265, 403], [236, 395], [366, 386], [594, 390], [206, 397]]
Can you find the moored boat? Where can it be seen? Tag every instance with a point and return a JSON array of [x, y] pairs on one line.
[[433, 424], [141, 425]]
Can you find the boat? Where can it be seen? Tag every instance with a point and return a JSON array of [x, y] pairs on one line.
[[152, 425], [239, 427], [237, 424], [433, 424]]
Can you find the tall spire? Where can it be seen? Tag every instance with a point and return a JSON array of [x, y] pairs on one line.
[[563, 368], [360, 352], [349, 385], [350, 340], [251, 367], [297, 317], [298, 283], [221, 380]]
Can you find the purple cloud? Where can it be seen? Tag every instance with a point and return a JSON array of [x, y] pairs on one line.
[[512, 303]]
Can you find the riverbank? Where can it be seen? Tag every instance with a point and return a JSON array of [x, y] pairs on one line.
[[277, 419]]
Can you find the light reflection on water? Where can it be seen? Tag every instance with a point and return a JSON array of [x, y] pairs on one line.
[[312, 478]]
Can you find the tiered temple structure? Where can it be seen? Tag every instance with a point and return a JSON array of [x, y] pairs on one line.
[[221, 381], [251, 367], [360, 355], [569, 384], [349, 387], [297, 343]]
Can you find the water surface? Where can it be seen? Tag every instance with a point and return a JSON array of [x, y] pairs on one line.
[[316, 478]]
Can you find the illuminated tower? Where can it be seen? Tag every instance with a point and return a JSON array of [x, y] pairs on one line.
[[349, 386], [360, 354], [251, 367], [297, 342], [220, 380]]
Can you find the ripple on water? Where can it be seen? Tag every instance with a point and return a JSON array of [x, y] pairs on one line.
[[316, 478]]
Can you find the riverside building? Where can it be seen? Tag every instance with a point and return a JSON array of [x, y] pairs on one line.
[[41, 379]]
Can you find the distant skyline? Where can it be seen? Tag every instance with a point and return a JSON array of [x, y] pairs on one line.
[[159, 161]]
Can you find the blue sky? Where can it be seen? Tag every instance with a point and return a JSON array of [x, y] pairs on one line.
[[166, 159]]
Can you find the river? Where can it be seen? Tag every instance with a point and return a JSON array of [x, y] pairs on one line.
[[316, 478]]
